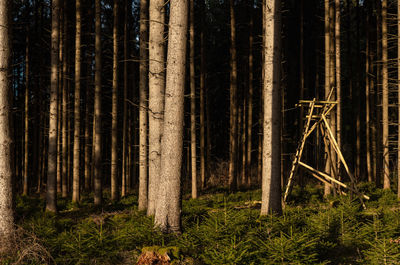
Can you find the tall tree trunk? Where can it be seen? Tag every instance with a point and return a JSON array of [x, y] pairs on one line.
[[202, 100], [168, 213], [125, 174], [233, 103], [327, 190], [156, 97], [26, 121], [64, 187], [385, 98], [97, 109], [77, 101], [144, 14], [398, 98], [114, 114], [61, 95], [250, 102], [338, 79], [6, 164], [377, 132], [367, 95], [271, 195], [192, 102], [51, 194]]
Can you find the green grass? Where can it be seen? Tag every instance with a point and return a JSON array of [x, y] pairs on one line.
[[218, 228]]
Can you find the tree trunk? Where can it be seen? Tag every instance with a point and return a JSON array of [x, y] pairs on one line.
[[6, 164], [156, 97], [114, 114], [26, 139], [367, 95], [385, 98], [202, 101], [64, 187], [233, 103], [271, 195], [168, 213], [77, 100], [398, 98], [97, 109], [124, 128], [338, 79], [142, 200], [192, 102], [250, 102], [61, 95], [51, 194], [327, 190]]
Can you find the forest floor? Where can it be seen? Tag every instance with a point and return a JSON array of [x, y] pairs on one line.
[[218, 228]]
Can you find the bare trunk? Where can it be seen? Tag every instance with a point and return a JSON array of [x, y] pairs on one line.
[[6, 164], [233, 104], [124, 128], [51, 194], [202, 102], [156, 97], [338, 78], [271, 195], [327, 190], [192, 103], [367, 98], [97, 109], [398, 98], [385, 98], [144, 9], [168, 213], [77, 101], [64, 187], [250, 103], [114, 114], [26, 140]]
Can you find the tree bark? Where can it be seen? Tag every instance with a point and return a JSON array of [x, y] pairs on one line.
[[156, 97], [65, 153], [51, 193], [144, 16], [114, 112], [271, 195], [327, 186], [26, 139], [233, 104], [77, 101], [398, 98], [6, 164], [97, 109], [385, 98], [202, 101], [192, 102], [168, 213], [338, 79], [125, 159]]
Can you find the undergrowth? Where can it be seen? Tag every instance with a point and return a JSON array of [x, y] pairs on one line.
[[218, 228]]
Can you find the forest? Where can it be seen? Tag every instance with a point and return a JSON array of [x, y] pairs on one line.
[[199, 132]]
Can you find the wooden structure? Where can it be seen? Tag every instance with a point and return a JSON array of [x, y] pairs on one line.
[[316, 119]]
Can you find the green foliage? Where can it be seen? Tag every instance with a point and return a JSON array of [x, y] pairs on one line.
[[221, 229]]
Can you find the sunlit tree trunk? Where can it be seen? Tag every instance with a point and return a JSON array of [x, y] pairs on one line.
[[77, 100], [271, 195], [192, 102], [142, 200], [97, 109], [114, 113], [51, 193], [6, 164], [338, 77], [61, 95], [156, 96], [385, 97], [233, 103], [168, 213]]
